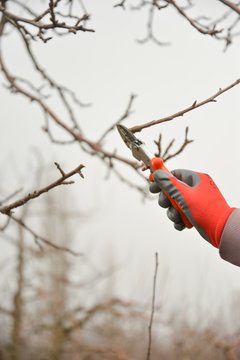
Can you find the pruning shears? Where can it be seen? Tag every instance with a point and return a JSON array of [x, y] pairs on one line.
[[141, 153]]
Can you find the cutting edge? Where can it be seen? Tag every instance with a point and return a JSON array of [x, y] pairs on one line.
[[138, 148]]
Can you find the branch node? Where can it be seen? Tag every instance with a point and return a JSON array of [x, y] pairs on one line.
[[68, 182], [60, 169]]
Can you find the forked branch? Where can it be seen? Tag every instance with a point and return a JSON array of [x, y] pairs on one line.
[[7, 209], [42, 239], [42, 27]]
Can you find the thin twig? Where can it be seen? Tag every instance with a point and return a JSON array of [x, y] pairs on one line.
[[166, 156], [2, 228], [153, 309], [41, 238], [126, 114], [150, 35], [159, 146], [195, 105], [120, 4]]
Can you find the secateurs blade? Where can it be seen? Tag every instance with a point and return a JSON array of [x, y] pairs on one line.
[[141, 153], [138, 148]]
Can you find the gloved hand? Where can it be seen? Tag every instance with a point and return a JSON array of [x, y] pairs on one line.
[[200, 199]]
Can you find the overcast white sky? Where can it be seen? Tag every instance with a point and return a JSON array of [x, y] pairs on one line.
[[104, 68]]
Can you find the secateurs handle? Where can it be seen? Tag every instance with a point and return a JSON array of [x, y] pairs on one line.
[[157, 164]]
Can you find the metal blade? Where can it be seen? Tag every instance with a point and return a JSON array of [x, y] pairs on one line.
[[128, 136], [137, 147]]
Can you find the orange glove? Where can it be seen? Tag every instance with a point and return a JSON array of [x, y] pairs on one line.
[[199, 198]]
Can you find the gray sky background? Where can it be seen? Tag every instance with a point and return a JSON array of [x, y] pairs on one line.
[[104, 68]]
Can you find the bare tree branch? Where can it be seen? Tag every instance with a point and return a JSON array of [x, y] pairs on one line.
[[43, 27], [194, 106], [42, 239], [150, 35], [153, 309], [201, 29], [126, 114], [120, 4], [203, 24], [159, 146], [166, 156], [61, 181], [230, 4], [96, 148]]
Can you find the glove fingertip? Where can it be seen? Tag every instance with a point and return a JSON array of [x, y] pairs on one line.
[[179, 226], [154, 188], [163, 201], [160, 175]]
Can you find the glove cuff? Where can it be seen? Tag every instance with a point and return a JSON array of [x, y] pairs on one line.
[[220, 227], [229, 248]]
